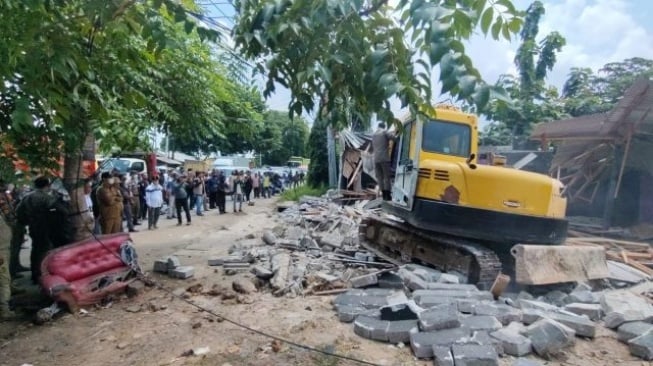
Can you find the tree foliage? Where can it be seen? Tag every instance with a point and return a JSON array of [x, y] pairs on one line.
[[318, 170], [532, 100], [285, 137], [354, 56]]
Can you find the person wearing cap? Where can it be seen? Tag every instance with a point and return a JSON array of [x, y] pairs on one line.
[[33, 211], [110, 202]]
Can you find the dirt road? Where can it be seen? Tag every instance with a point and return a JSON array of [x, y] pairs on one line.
[[156, 328]]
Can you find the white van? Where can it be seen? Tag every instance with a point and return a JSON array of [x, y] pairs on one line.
[[123, 165]]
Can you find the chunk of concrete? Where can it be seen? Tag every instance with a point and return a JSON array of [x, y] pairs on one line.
[[481, 322], [348, 313], [390, 280], [269, 238], [452, 286], [431, 301], [580, 324], [555, 297], [439, 317], [448, 278], [454, 293], [422, 343], [243, 285], [548, 336], [398, 312], [182, 272], [160, 266], [513, 343], [628, 331], [642, 346], [364, 280], [371, 328], [474, 355], [427, 274], [624, 306], [593, 311], [411, 280], [400, 331], [504, 313], [466, 305], [261, 272], [173, 262], [442, 356], [526, 362], [536, 305], [582, 296], [483, 338]]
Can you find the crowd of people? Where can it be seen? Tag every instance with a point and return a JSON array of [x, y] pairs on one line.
[[116, 202]]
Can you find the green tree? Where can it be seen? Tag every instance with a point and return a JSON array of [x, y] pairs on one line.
[[585, 92], [292, 135], [356, 54], [318, 169], [532, 101]]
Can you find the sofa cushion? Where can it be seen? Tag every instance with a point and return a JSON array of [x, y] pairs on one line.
[[88, 258]]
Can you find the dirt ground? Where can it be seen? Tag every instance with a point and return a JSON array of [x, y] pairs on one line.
[[156, 328]]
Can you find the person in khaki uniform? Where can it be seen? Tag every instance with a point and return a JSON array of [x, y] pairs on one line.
[[110, 202]]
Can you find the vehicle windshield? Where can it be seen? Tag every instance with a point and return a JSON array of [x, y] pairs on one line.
[[448, 138], [118, 164]]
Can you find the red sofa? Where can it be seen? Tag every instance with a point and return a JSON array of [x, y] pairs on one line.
[[85, 272]]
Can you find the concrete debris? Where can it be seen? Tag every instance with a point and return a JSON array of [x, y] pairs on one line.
[[364, 280], [471, 355], [481, 322], [624, 306], [442, 356], [513, 343], [160, 266], [593, 311], [549, 337], [422, 342], [261, 272], [642, 346], [182, 272], [504, 313], [526, 362], [243, 285], [439, 317], [280, 269], [628, 331], [269, 238]]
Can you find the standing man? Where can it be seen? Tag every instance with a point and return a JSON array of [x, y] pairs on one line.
[[266, 185], [170, 185], [154, 200], [238, 189], [34, 211], [142, 186], [256, 185], [127, 201], [7, 209], [198, 193], [247, 185], [381, 146], [223, 188], [110, 204], [212, 188], [136, 198], [180, 191]]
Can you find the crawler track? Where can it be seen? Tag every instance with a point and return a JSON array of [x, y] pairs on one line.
[[401, 243]]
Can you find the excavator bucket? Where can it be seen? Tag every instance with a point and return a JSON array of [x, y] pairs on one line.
[[547, 264]]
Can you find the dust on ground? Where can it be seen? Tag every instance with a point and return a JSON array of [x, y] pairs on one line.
[[157, 328]]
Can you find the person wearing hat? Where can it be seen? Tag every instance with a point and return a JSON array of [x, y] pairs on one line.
[[34, 211], [110, 202]]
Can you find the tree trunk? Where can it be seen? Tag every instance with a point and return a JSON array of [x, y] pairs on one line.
[[73, 179]]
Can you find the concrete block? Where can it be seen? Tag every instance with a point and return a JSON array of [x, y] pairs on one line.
[[581, 325], [173, 262], [215, 261], [309, 243], [628, 331], [442, 356], [624, 306], [513, 343], [422, 343], [452, 286], [474, 355], [439, 317], [378, 292], [549, 337], [236, 265], [535, 305], [182, 272], [642, 346], [160, 266], [481, 322], [466, 305], [504, 313], [373, 302], [390, 280], [431, 301], [398, 312], [448, 278], [397, 298], [427, 274], [348, 313], [454, 293], [593, 311], [582, 296], [261, 272], [269, 238], [555, 297], [412, 281], [530, 316], [364, 280], [483, 338], [516, 327], [370, 328], [400, 331]]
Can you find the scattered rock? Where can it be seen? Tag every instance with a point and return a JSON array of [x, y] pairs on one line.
[[592, 311], [642, 346], [481, 322], [364, 280], [243, 285], [549, 337], [135, 288], [628, 331], [624, 306], [122, 345], [182, 272], [442, 356], [133, 309], [197, 325], [513, 343], [439, 317], [471, 354]]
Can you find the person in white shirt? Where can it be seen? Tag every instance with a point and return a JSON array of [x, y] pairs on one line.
[[154, 201]]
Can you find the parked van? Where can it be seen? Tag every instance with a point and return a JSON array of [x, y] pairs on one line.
[[123, 165]]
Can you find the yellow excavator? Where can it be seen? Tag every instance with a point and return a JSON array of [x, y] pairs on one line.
[[449, 212]]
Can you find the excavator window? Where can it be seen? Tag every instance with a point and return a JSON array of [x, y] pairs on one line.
[[446, 138]]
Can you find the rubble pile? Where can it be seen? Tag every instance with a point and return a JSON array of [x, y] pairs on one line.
[[449, 321]]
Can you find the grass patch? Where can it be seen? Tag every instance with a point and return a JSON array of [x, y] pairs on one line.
[[305, 190]]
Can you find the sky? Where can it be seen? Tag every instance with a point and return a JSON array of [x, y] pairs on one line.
[[597, 32]]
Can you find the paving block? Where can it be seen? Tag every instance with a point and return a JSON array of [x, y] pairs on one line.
[[642, 346], [427, 274], [628, 331], [483, 338], [624, 306], [593, 311], [474, 355], [535, 305], [173, 262], [400, 331], [411, 280], [582, 296], [581, 325], [442, 356], [378, 292], [555, 297], [439, 317], [261, 272], [549, 337], [182, 272], [466, 305], [481, 322], [431, 301], [390, 280], [526, 362], [397, 298], [454, 293], [348, 313], [422, 343], [530, 316], [160, 266], [398, 312], [236, 265], [364, 280], [513, 343], [371, 328], [215, 261], [452, 286], [516, 327], [448, 278], [504, 313]]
